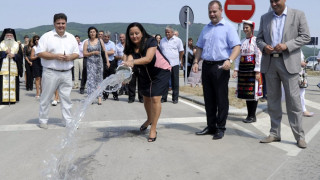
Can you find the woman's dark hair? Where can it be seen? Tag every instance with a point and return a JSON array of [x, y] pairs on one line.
[[192, 47], [34, 39], [129, 47], [59, 16], [157, 35], [251, 27], [90, 28], [30, 44]]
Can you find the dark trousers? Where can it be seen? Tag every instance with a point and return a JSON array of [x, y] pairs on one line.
[[29, 83], [84, 74], [215, 91], [252, 107], [188, 71], [108, 72], [133, 84], [264, 86], [72, 71], [174, 84]]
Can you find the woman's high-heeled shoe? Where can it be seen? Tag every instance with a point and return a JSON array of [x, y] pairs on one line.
[[153, 139], [143, 128]]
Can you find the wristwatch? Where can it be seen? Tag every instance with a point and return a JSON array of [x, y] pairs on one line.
[[230, 60]]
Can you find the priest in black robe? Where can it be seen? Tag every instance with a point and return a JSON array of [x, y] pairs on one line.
[[11, 62]]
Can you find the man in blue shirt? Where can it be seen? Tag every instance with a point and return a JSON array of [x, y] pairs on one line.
[[110, 50], [218, 46]]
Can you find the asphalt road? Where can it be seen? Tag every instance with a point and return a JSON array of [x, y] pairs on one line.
[[109, 145]]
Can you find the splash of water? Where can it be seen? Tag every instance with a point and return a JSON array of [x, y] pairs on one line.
[[62, 166]]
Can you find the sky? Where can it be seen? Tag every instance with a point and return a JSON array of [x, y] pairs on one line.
[[27, 14]]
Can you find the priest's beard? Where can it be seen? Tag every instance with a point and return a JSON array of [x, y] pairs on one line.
[[8, 42]]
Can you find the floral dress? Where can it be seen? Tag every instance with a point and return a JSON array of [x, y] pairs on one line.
[[94, 68]]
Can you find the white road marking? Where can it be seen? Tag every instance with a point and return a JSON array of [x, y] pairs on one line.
[[263, 125], [2, 106], [239, 7], [288, 142], [246, 131], [287, 139], [100, 124], [192, 105], [312, 104]]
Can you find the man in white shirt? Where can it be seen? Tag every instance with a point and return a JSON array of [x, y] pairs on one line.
[[172, 48], [176, 33], [118, 55], [317, 66], [57, 50], [110, 50], [78, 63]]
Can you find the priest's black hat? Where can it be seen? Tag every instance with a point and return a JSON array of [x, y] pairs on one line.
[[8, 30]]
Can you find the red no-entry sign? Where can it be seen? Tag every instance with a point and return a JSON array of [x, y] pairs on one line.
[[238, 10]]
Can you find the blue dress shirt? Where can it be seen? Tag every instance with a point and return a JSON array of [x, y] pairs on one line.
[[217, 41], [278, 26]]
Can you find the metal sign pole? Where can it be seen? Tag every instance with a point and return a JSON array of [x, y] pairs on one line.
[[186, 52], [116, 38]]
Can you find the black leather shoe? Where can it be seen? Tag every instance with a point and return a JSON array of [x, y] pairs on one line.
[[105, 96], [130, 100], [218, 135], [115, 98], [163, 100], [141, 100], [205, 131], [81, 91], [175, 102], [249, 120]]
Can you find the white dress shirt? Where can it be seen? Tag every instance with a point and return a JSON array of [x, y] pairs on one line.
[[171, 49], [110, 45], [53, 43]]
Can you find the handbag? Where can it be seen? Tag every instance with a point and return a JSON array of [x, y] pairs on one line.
[[303, 83], [104, 60], [190, 58], [103, 55], [161, 61]]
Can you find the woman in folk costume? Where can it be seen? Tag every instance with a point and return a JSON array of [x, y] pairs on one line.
[[247, 69], [10, 67]]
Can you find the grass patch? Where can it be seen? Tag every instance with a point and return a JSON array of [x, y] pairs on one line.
[[313, 73], [233, 101]]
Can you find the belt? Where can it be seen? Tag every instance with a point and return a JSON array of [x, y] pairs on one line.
[[213, 62], [59, 70], [275, 55]]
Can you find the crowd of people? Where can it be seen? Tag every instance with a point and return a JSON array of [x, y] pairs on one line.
[[273, 57]]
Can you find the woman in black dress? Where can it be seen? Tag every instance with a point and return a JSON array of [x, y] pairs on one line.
[[140, 50], [36, 65], [28, 64]]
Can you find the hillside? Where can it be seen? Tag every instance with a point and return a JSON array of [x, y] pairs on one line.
[[152, 29], [81, 29]]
